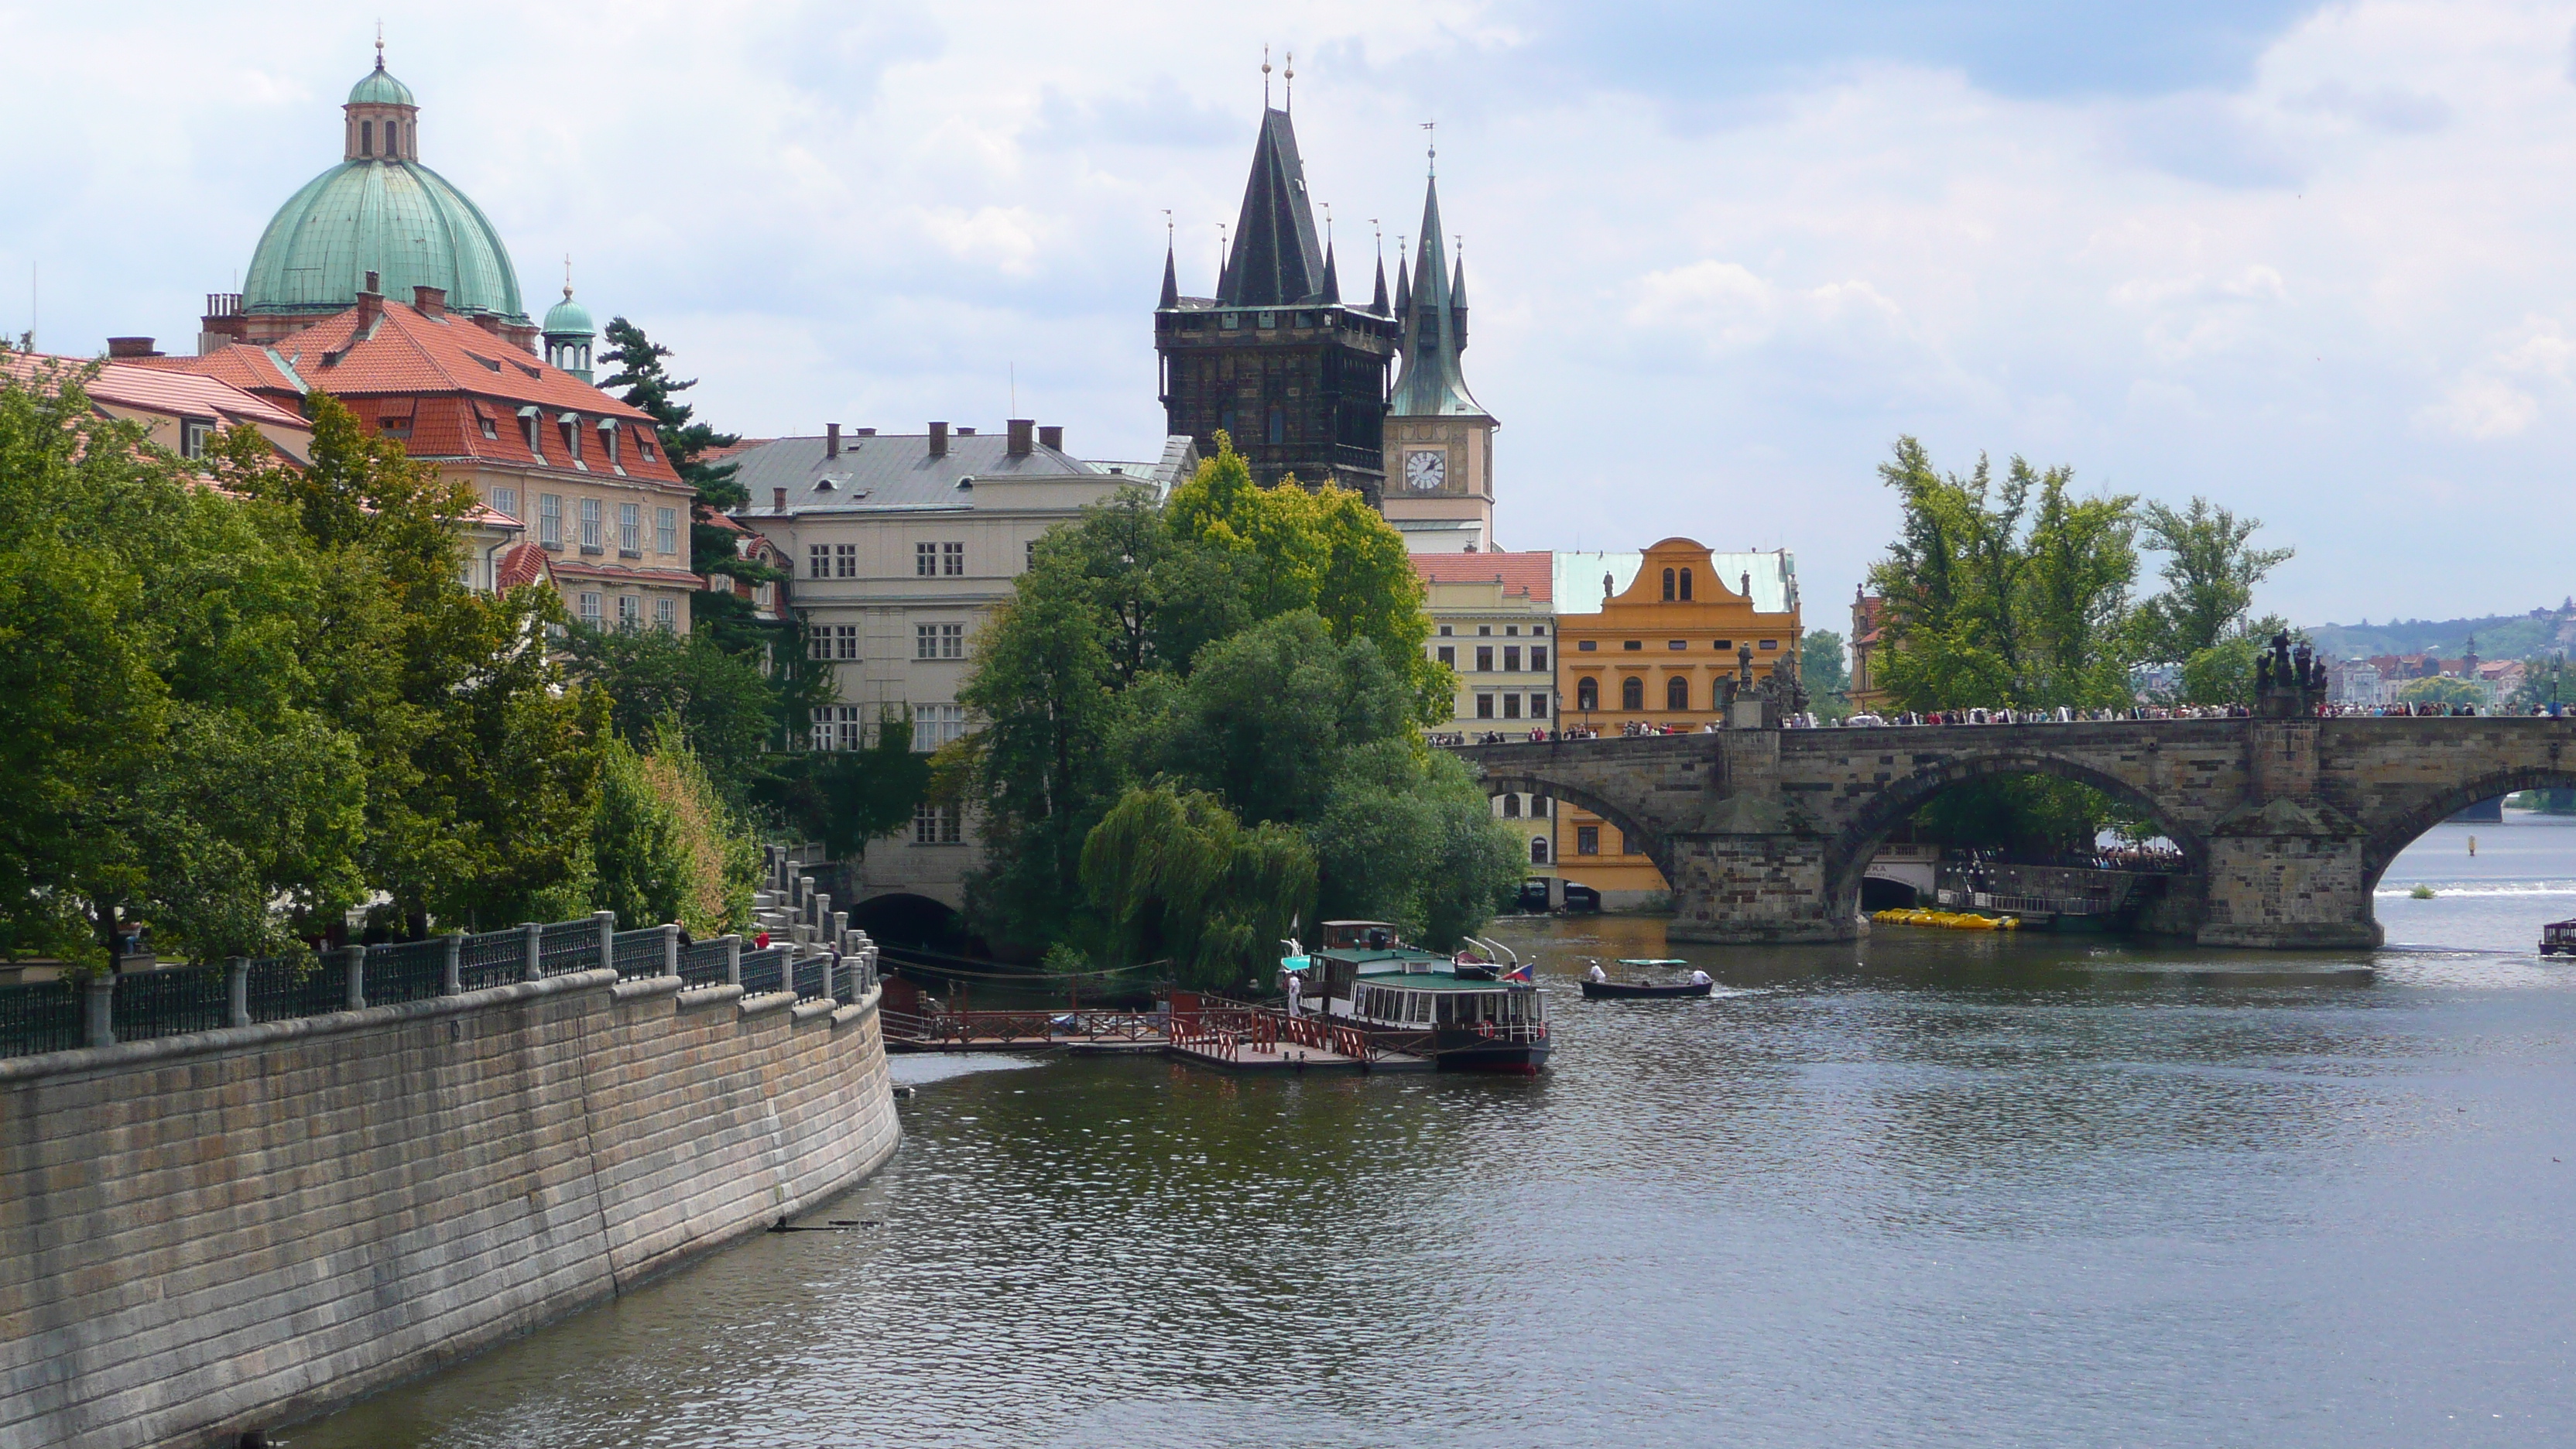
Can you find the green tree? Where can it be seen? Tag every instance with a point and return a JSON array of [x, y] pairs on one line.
[[1407, 835], [2441, 690], [1177, 877], [1825, 676], [846, 798], [650, 388], [2210, 571], [722, 704], [664, 844]]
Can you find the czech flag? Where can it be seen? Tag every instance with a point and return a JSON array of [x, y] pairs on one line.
[[1518, 973]]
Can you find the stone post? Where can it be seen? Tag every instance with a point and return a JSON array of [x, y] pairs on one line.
[[607, 923], [671, 949], [536, 951], [451, 975], [733, 960], [805, 896], [840, 930], [354, 961], [98, 1017], [237, 990]]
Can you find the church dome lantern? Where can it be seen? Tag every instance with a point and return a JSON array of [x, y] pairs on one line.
[[569, 333], [379, 210]]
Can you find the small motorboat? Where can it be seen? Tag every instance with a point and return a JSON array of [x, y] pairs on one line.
[[1645, 990], [2558, 938]]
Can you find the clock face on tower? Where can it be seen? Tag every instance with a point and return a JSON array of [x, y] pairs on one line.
[[1425, 469]]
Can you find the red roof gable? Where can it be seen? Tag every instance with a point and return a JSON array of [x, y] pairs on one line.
[[161, 390], [1527, 575]]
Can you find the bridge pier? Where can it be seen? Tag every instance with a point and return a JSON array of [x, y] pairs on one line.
[[1752, 889], [2289, 892]]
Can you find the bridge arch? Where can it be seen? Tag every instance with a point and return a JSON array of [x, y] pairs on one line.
[[1847, 859], [2389, 837], [1496, 783]]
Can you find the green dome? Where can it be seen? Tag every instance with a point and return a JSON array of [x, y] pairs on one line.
[[569, 317], [398, 219], [380, 89]]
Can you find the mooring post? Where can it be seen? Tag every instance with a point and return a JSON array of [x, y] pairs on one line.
[[354, 961], [535, 933], [452, 976], [98, 1018], [671, 948], [733, 960], [237, 990]]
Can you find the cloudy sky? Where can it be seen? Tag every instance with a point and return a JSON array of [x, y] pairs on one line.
[[2316, 262]]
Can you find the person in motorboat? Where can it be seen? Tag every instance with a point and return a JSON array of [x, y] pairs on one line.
[[1700, 978], [1596, 973]]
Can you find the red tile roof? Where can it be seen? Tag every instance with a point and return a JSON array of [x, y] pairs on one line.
[[458, 387], [564, 568], [525, 564], [160, 390], [1530, 575]]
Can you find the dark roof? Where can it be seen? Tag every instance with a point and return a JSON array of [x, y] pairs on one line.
[[1432, 383], [1276, 261], [890, 470]]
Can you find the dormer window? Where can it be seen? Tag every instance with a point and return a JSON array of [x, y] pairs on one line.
[[193, 436], [608, 439], [528, 422], [571, 428]]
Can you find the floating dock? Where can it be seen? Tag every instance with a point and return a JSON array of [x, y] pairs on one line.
[[1229, 1036]]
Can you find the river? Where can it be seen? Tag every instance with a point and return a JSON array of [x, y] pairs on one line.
[[1932, 1189]]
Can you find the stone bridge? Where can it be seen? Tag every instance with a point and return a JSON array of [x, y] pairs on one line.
[[1764, 834]]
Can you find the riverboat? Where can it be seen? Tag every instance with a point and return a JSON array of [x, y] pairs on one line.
[[1469, 1013], [2558, 938]]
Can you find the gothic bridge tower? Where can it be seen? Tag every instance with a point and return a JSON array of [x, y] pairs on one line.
[[1276, 359]]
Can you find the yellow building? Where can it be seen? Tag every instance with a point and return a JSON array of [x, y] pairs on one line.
[[1491, 621], [1659, 641]]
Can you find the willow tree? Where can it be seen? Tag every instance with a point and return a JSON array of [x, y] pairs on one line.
[[1177, 878]]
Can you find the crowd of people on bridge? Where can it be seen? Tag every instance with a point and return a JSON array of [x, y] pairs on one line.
[[1865, 720]]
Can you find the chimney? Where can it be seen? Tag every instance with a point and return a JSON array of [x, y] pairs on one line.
[[130, 347], [430, 301], [831, 440], [1021, 430], [939, 440], [778, 500], [371, 303], [1052, 437]]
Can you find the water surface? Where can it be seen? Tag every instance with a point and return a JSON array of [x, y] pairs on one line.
[[1932, 1189]]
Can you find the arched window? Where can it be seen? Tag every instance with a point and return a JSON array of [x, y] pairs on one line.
[[1632, 692], [1677, 694], [1587, 694], [1668, 586], [366, 138], [1538, 850], [1686, 585], [1511, 807]]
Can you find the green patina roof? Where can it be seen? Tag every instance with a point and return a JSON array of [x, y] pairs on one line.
[[569, 317], [398, 219], [380, 89]]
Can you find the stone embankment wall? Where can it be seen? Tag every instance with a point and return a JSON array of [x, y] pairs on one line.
[[207, 1234]]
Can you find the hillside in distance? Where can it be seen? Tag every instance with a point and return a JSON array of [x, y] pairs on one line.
[[2499, 636]]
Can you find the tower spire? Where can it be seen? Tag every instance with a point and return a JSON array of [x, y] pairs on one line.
[[1434, 331], [1171, 269], [1265, 77], [1377, 304], [1277, 260]]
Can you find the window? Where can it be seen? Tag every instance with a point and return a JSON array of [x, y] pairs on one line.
[[1484, 659], [1511, 706], [1632, 693], [1677, 693], [838, 727], [1677, 643], [571, 430], [1538, 706], [550, 520], [1511, 807], [1586, 646], [1449, 655], [845, 560], [192, 438], [938, 641], [1031, 561], [666, 530], [1538, 659], [666, 615], [1485, 629], [506, 500], [1541, 807], [590, 525], [1632, 644], [646, 444], [818, 561], [491, 429], [1444, 631], [1511, 659], [925, 560], [1668, 586], [937, 824], [528, 421], [1770, 643], [630, 530], [1538, 850], [1686, 585], [818, 642], [952, 559], [1538, 631], [590, 610], [608, 443], [1278, 431], [1587, 840], [366, 138], [1587, 695], [1484, 706], [630, 611], [1724, 644], [845, 641], [934, 725], [1513, 630]]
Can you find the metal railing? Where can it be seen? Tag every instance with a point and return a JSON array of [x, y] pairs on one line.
[[285, 987], [637, 953], [568, 946], [703, 963], [406, 971], [492, 958], [172, 1003], [39, 1016], [813, 978], [764, 973]]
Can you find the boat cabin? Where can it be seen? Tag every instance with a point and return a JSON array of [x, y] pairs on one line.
[[2558, 938]]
